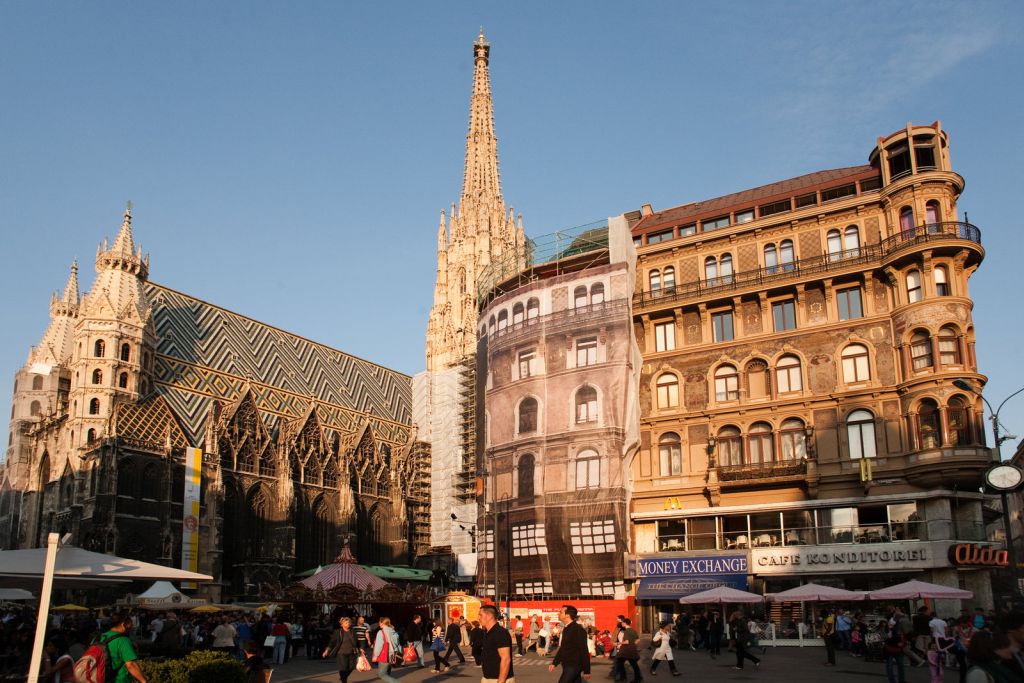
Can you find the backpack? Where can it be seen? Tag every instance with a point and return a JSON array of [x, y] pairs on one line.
[[94, 665]]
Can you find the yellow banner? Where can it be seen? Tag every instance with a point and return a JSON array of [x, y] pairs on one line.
[[190, 512]]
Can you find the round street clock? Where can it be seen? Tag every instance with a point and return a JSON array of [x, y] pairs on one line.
[[1004, 477]]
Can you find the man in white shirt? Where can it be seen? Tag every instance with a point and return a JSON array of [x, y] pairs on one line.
[[937, 627]]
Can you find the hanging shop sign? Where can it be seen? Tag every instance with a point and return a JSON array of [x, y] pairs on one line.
[[977, 555], [674, 577], [856, 557]]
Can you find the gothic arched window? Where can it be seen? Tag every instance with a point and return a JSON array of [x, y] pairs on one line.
[[528, 416], [97, 376], [99, 348], [122, 380], [586, 405], [37, 383], [94, 406], [126, 352]]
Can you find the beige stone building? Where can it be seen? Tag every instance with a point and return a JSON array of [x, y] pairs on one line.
[[800, 340]]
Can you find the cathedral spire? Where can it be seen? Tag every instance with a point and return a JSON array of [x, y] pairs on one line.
[[71, 297], [480, 177], [124, 244]]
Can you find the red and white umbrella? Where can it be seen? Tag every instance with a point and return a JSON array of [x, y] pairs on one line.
[[914, 590], [813, 592], [721, 595], [344, 572]]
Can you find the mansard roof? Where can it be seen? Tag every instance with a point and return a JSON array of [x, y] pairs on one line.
[[206, 353]]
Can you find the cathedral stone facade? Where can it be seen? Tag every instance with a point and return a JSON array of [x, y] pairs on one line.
[[303, 446]]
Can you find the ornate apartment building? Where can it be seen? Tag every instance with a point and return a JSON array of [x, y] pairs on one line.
[[479, 232], [559, 369], [800, 342], [303, 445]]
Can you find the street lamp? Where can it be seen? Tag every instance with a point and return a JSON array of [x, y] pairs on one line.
[[992, 483]]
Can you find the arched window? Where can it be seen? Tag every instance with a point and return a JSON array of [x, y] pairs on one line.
[[921, 350], [949, 347], [256, 523], [711, 270], [579, 297], [727, 383], [532, 308], [670, 454], [787, 375], [793, 439], [760, 443], [525, 472], [35, 409], [150, 479], [914, 286], [786, 255], [126, 352], [668, 391], [99, 348], [771, 258], [670, 279], [856, 366], [958, 416], [941, 281], [654, 280], [97, 376], [267, 465], [860, 431], [907, 222], [502, 320], [518, 313], [311, 471], [851, 242], [758, 384], [588, 470], [143, 386], [122, 380], [491, 326], [725, 267], [126, 485], [330, 472], [730, 446], [586, 405], [929, 424], [94, 406], [835, 242], [597, 291], [90, 436], [37, 383], [932, 215], [528, 416]]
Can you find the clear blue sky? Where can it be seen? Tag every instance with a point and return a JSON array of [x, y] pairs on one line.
[[289, 160]]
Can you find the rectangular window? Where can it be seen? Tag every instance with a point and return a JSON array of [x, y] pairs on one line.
[[849, 304], [775, 207], [784, 315], [655, 237], [592, 537], [744, 216], [598, 588], [871, 184], [534, 588], [687, 230], [714, 224], [586, 352], [834, 193], [721, 324], [528, 539], [638, 241], [527, 363], [807, 200], [665, 336], [485, 546]]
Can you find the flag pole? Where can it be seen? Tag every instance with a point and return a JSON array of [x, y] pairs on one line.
[[43, 617]]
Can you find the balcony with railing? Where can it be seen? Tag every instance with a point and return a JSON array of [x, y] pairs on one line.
[[762, 473], [559, 321], [854, 260]]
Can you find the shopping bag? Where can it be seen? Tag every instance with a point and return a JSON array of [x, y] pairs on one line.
[[409, 655], [363, 664], [269, 641]]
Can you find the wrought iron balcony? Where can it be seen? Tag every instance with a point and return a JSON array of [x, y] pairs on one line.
[[762, 471], [869, 254], [569, 318]]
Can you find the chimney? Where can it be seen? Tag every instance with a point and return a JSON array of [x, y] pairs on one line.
[[646, 210]]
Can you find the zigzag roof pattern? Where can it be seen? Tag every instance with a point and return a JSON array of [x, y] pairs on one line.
[[207, 353]]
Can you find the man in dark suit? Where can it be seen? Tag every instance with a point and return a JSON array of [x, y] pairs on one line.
[[572, 654], [453, 638]]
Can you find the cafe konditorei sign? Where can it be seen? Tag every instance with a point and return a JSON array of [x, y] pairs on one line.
[[873, 557]]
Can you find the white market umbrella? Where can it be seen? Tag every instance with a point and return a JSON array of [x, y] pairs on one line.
[[914, 590], [813, 592], [15, 594], [721, 595]]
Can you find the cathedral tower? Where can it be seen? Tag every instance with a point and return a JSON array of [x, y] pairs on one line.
[[477, 236]]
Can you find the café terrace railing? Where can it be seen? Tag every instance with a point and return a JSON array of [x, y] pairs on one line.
[[867, 254]]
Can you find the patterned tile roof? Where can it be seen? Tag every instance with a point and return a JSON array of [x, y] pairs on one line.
[[149, 424], [208, 353]]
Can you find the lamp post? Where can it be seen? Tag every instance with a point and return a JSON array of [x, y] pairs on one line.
[[508, 555], [1007, 529]]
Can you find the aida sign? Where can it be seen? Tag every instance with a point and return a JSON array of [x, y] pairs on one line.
[[975, 555]]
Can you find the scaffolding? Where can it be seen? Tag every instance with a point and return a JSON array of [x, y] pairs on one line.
[[419, 498], [465, 479]]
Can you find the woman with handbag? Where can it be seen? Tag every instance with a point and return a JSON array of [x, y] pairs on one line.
[[437, 647], [387, 651], [343, 645], [662, 642]]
